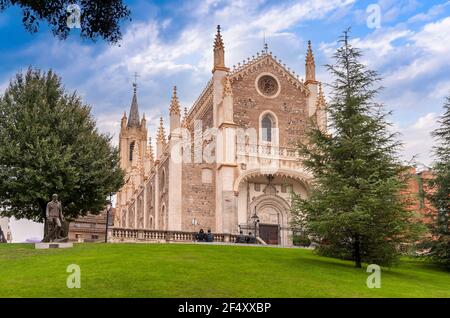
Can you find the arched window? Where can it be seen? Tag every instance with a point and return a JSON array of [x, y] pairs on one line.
[[131, 151], [266, 125]]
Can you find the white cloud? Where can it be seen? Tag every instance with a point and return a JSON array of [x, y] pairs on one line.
[[433, 12], [185, 57], [417, 140], [378, 45], [104, 78], [392, 9], [414, 67], [431, 52], [281, 18], [434, 37], [441, 90]]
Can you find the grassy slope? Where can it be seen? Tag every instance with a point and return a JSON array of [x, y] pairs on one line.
[[175, 270]]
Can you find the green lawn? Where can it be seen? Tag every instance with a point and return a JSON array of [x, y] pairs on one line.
[[193, 270]]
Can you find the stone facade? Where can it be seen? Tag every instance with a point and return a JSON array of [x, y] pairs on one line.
[[231, 155], [90, 228]]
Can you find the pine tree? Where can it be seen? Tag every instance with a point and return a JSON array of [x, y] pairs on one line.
[[49, 144], [439, 194], [355, 209]]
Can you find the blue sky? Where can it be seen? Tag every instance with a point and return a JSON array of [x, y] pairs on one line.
[[170, 43]]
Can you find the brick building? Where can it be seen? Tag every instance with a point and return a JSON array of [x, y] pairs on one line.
[[417, 190], [229, 157], [90, 228]]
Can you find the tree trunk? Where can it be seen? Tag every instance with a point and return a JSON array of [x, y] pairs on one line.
[[357, 252], [43, 206]]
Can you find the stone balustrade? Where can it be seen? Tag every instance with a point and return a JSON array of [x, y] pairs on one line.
[[116, 235], [267, 151]]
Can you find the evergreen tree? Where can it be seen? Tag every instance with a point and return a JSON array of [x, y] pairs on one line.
[[439, 194], [49, 144], [355, 209]]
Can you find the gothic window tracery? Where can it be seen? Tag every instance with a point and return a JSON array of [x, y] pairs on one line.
[[131, 150], [267, 85], [266, 125]]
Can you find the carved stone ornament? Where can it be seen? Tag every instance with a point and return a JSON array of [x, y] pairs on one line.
[[267, 85]]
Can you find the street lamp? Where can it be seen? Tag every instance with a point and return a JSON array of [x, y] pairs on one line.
[[255, 220], [194, 224], [108, 209]]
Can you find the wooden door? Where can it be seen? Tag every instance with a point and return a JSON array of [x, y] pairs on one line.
[[269, 233]]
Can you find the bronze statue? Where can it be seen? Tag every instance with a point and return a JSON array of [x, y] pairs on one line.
[[2, 236], [56, 224]]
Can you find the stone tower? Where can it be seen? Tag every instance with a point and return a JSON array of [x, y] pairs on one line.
[[133, 137]]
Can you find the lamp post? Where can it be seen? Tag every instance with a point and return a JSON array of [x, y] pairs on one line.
[[194, 224], [255, 220], [108, 209]]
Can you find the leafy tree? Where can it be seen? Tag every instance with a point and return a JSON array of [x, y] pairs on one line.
[[439, 194], [355, 209], [49, 144], [97, 19]]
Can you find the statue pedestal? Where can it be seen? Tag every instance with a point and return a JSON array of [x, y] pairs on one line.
[[41, 246]]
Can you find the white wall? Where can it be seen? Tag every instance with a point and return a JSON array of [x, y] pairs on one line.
[[24, 229]]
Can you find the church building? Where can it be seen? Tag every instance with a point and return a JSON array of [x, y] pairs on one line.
[[229, 163]]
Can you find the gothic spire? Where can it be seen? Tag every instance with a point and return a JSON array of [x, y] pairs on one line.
[[161, 135], [175, 104], [265, 45], [310, 66], [123, 122], [150, 148], [309, 54], [219, 52], [320, 98], [133, 118], [185, 115], [321, 114], [218, 42]]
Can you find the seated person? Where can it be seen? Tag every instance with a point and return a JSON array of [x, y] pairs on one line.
[[241, 238], [200, 236], [209, 236], [248, 238]]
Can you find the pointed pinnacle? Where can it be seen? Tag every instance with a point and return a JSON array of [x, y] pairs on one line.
[[161, 136], [309, 54], [174, 104], [218, 42]]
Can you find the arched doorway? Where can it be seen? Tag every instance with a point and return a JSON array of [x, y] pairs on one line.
[[273, 212], [270, 196]]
